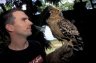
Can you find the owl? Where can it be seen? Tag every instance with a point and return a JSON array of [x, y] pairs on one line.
[[63, 29], [67, 33]]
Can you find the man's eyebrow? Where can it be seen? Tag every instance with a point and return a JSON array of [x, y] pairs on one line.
[[24, 18]]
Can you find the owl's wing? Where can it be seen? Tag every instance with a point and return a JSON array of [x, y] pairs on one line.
[[70, 31], [67, 27]]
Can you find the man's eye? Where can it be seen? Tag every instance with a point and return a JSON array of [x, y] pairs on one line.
[[24, 19]]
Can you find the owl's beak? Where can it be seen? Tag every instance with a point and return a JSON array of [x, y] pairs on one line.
[[40, 28]]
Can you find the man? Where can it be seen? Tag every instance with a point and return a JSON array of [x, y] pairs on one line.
[[20, 50]]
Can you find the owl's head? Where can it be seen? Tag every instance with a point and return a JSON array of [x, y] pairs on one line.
[[54, 10]]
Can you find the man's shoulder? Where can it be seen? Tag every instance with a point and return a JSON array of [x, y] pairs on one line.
[[2, 52], [2, 48], [34, 43], [36, 46]]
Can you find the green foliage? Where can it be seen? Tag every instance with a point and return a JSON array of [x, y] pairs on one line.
[[61, 4], [8, 6], [67, 6]]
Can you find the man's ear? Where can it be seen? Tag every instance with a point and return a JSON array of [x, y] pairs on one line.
[[9, 27]]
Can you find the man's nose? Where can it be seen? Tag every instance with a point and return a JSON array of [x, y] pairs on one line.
[[30, 22]]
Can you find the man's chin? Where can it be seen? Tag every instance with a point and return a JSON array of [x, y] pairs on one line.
[[29, 34]]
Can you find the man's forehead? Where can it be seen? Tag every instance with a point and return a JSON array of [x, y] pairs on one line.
[[19, 14]]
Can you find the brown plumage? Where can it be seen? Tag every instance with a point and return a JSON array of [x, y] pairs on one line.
[[59, 25], [63, 29]]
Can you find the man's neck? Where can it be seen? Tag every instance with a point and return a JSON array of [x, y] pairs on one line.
[[18, 43]]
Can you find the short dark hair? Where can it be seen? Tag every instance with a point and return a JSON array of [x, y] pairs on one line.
[[8, 15], [7, 18]]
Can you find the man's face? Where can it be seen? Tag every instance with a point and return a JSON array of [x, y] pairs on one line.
[[22, 24]]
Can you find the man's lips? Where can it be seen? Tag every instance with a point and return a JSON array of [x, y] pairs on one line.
[[29, 28]]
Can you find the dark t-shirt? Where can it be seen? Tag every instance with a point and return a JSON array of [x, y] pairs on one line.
[[32, 54]]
